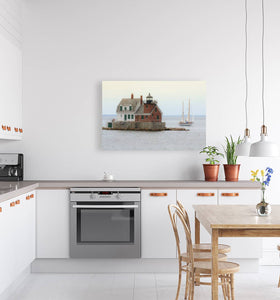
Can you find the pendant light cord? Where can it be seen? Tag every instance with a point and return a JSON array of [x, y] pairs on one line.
[[246, 63], [263, 77]]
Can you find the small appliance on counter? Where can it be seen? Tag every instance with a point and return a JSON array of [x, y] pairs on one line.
[[11, 167], [108, 176]]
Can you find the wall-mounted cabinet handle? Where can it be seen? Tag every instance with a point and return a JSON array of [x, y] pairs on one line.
[[158, 194], [27, 197], [205, 194], [9, 128], [4, 127], [12, 204], [31, 196], [18, 202], [0, 209], [21, 130], [230, 194], [16, 129]]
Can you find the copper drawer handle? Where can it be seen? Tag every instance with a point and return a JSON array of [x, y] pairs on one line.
[[12, 204], [0, 209], [205, 194], [4, 127], [27, 197], [230, 194], [18, 202], [158, 194], [31, 196]]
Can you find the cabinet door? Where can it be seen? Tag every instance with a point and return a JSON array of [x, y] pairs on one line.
[[26, 230], [17, 238], [157, 236], [197, 197], [10, 89], [7, 250], [52, 235], [241, 247]]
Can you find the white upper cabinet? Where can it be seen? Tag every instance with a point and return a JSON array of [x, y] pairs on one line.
[[10, 90], [157, 237]]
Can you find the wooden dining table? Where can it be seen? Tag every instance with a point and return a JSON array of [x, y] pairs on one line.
[[233, 221]]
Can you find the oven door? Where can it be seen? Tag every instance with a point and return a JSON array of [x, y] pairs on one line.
[[105, 229]]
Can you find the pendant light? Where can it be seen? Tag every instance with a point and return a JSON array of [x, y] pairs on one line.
[[263, 148], [243, 149]]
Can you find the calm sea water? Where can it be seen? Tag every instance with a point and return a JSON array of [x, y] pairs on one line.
[[194, 139]]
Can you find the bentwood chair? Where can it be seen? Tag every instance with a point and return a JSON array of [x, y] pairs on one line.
[[187, 263], [203, 247]]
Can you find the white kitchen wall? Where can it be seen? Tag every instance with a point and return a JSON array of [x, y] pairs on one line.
[[70, 46], [11, 21]]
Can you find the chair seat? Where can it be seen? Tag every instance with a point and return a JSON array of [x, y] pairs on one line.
[[207, 247], [202, 256], [224, 267], [278, 247]]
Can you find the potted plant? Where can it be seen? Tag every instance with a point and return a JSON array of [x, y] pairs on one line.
[[231, 168], [211, 169]]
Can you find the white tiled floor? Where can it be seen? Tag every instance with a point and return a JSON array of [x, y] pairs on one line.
[[125, 286]]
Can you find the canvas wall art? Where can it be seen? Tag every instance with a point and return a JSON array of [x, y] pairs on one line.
[[153, 115]]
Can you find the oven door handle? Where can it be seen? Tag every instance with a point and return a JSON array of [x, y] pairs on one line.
[[105, 206]]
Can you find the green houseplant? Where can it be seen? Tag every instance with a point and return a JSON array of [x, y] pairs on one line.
[[211, 168], [231, 168]]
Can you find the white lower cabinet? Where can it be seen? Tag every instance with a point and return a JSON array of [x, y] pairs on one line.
[[157, 237], [197, 197], [241, 247], [52, 236], [17, 236]]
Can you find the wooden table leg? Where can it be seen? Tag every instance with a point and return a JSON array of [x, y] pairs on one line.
[[197, 241], [215, 237], [197, 231]]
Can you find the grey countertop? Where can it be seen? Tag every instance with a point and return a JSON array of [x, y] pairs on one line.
[[9, 190]]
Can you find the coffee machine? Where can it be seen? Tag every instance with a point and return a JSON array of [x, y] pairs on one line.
[[11, 166]]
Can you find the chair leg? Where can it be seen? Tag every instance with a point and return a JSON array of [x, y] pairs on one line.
[[187, 284], [223, 287], [232, 286], [179, 282], [192, 287], [279, 282]]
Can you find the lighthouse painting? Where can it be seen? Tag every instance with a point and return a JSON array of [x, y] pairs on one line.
[[150, 115]]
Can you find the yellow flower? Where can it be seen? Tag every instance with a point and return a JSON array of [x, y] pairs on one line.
[[262, 173], [254, 173], [253, 179]]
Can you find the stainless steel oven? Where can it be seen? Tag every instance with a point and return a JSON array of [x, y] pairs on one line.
[[105, 222]]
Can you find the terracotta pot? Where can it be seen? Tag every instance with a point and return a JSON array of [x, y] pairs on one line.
[[231, 172], [211, 172]]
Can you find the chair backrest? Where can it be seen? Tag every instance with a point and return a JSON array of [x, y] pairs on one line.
[[177, 217], [185, 214]]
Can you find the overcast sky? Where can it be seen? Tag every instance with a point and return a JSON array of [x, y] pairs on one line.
[[169, 94]]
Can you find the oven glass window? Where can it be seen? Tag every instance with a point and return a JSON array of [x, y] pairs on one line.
[[105, 225]]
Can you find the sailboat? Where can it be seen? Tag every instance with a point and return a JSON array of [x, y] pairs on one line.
[[186, 122]]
